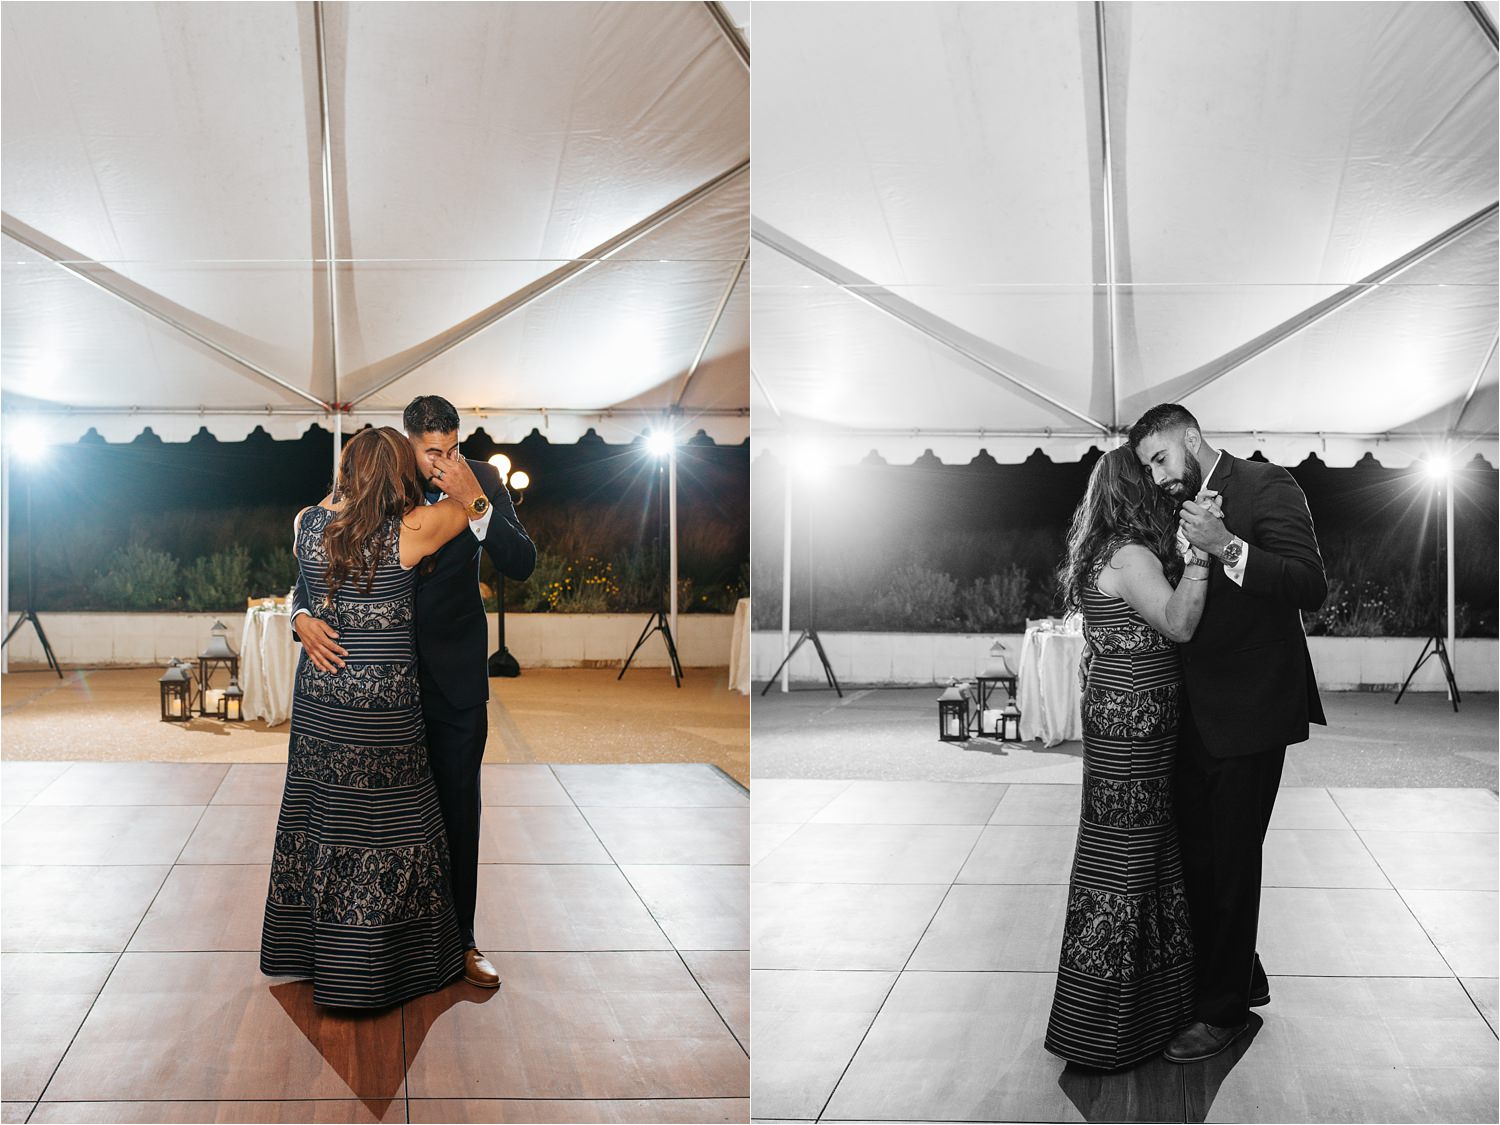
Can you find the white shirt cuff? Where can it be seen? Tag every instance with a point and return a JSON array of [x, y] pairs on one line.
[[301, 610], [481, 526], [1236, 573]]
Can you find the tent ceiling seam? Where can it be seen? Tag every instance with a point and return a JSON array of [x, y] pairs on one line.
[[1474, 384], [713, 326], [1191, 382], [1482, 18], [881, 299], [764, 390], [729, 31], [576, 268], [11, 228]]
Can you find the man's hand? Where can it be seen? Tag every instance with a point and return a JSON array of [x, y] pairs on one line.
[[453, 476], [318, 642], [1204, 528]]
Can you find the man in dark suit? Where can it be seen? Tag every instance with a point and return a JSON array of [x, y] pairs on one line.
[[452, 642], [1249, 693]]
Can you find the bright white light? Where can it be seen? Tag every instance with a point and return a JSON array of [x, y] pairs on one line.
[[519, 480], [502, 463], [661, 442], [810, 461], [28, 440], [1436, 467]]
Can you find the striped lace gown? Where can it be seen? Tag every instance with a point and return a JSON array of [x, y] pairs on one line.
[[359, 896], [1125, 976]]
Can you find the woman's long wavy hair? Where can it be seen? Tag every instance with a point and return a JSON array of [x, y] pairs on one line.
[[377, 481], [1121, 503]]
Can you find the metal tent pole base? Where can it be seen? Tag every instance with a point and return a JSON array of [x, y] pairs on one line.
[[1439, 648], [807, 635]]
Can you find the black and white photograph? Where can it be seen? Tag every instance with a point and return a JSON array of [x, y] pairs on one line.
[[1124, 562]]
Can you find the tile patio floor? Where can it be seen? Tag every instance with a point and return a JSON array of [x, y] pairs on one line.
[[612, 899], [905, 938]]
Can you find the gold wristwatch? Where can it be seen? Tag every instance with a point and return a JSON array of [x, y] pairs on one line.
[[478, 507]]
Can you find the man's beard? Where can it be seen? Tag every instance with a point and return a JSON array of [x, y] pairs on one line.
[[1191, 483]]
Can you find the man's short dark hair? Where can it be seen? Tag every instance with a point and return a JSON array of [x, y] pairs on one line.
[[429, 414], [1167, 416]]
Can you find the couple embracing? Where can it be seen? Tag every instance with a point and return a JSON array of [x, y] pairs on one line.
[[1190, 567], [373, 875]]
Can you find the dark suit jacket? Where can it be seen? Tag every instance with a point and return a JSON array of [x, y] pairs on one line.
[[1248, 674], [452, 629]]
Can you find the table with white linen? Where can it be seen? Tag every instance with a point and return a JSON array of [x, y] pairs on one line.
[[739, 649], [268, 664], [1049, 694]]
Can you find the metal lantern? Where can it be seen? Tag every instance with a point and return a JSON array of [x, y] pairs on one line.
[[996, 674], [1009, 726], [232, 703], [953, 714], [177, 692], [218, 655]]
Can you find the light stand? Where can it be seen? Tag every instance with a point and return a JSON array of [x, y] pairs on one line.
[[810, 632], [29, 613], [658, 622], [501, 662], [1435, 645]]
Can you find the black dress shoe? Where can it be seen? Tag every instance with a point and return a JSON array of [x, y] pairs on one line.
[[1262, 998], [1201, 1041]]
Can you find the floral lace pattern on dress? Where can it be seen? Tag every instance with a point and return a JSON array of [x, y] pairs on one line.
[[358, 767], [1141, 803], [1126, 937], [351, 886], [361, 686], [1147, 713]]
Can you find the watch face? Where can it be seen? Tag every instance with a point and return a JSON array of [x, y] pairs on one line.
[[1232, 553], [481, 505]]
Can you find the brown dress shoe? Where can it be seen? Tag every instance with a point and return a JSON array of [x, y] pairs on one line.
[[479, 971], [1201, 1041]]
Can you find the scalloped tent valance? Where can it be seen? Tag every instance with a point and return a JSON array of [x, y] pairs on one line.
[[238, 215], [1004, 225]]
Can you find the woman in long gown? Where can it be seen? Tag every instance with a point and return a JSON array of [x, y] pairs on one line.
[[1125, 976], [359, 896]]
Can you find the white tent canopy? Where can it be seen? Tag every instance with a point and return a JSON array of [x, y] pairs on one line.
[[1013, 225], [538, 211]]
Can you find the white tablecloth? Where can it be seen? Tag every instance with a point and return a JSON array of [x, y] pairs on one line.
[[268, 664], [739, 649], [1050, 697]]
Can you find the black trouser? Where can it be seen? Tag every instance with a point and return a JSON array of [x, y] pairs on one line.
[[1223, 809], [455, 747]]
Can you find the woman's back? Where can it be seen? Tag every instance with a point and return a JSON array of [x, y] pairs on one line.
[[375, 626]]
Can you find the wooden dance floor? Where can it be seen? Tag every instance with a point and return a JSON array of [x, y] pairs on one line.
[[612, 900], [905, 939]]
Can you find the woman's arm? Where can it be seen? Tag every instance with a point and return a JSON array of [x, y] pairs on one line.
[[1135, 575], [424, 529]]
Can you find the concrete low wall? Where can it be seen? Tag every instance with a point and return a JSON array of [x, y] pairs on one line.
[[537, 640], [920, 659]]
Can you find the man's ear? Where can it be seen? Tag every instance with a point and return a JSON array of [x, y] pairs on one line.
[[1193, 440]]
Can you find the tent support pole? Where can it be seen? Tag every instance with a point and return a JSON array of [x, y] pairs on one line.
[[1183, 386], [565, 273], [338, 446], [786, 578], [713, 326], [326, 144], [672, 539], [883, 300], [1110, 277], [11, 229], [1451, 485]]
